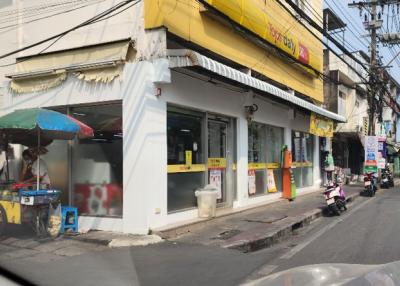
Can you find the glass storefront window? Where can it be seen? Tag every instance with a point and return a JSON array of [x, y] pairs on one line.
[[57, 161], [185, 134], [302, 154], [97, 162], [257, 154], [274, 143], [257, 148]]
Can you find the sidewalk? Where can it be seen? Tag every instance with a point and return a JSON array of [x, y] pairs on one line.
[[115, 239], [260, 227]]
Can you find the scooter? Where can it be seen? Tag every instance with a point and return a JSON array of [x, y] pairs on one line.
[[386, 179], [370, 187], [335, 198]]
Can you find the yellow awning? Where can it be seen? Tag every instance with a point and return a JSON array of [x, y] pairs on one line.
[[116, 51], [100, 63]]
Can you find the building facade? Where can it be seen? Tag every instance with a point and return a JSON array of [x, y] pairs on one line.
[[349, 99], [180, 94]]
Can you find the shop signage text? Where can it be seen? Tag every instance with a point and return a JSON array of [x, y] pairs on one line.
[[321, 127]]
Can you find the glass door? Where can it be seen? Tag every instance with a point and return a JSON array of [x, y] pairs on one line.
[[217, 156]]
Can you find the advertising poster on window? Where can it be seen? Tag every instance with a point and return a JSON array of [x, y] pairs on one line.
[[216, 180], [271, 187], [252, 182], [371, 153]]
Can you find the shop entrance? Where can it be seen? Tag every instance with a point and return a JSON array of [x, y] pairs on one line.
[[200, 152], [219, 163]]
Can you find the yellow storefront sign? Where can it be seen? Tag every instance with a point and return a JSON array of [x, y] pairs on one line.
[[216, 163], [321, 127], [273, 165], [257, 166], [186, 168], [191, 21], [256, 16], [302, 164], [188, 157]]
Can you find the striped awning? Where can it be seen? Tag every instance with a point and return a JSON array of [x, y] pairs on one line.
[[187, 58]]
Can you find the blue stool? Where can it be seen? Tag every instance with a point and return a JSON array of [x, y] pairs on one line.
[[68, 214]]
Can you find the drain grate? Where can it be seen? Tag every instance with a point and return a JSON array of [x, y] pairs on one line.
[[227, 234]]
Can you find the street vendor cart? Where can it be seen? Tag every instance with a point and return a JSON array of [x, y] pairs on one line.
[[20, 204], [30, 203]]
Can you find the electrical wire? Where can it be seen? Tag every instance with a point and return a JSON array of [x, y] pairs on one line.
[[16, 26], [373, 76], [83, 24], [358, 36]]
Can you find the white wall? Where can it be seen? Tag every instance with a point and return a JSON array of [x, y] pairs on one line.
[[144, 143]]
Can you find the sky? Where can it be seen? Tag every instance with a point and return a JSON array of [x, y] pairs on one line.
[[355, 31]]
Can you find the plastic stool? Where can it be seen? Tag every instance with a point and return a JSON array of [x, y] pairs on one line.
[[65, 224]]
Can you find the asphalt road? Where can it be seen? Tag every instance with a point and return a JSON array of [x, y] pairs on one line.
[[369, 233]]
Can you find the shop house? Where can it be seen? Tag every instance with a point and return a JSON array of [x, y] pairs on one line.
[[182, 101]]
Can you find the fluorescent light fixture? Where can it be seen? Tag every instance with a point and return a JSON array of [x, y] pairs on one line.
[[185, 130]]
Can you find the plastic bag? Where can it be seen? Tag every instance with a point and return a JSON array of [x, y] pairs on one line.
[[54, 223]]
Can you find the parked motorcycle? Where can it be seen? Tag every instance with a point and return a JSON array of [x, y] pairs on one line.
[[386, 178], [370, 186], [335, 198]]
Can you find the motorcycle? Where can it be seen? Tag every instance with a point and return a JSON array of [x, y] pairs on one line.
[[386, 179], [335, 198], [370, 187]]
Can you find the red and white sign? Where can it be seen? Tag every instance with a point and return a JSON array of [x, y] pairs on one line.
[[216, 180], [252, 182]]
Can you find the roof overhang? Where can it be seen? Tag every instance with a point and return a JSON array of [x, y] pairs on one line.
[[180, 58]]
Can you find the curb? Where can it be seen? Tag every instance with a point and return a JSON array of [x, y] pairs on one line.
[[282, 232], [120, 241], [179, 230], [99, 241]]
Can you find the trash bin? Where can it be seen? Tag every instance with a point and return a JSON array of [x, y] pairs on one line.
[[207, 201]]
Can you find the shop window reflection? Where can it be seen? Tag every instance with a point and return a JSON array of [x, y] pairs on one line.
[[185, 135], [97, 162]]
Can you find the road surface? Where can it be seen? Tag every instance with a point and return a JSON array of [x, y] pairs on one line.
[[369, 233]]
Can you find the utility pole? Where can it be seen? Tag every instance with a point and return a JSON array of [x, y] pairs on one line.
[[371, 24], [372, 70]]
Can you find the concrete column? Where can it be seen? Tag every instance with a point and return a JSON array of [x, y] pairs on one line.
[[144, 150], [317, 169], [242, 162]]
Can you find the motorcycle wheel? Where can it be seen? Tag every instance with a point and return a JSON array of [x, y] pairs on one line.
[[370, 191], [334, 209], [341, 205]]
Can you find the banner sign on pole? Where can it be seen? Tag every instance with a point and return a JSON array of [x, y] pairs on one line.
[[371, 153]]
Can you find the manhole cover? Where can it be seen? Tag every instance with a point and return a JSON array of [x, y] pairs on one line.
[[227, 234]]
